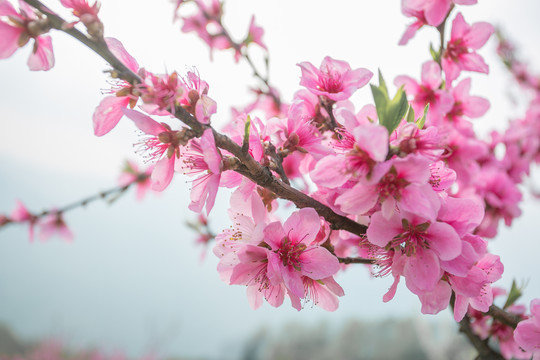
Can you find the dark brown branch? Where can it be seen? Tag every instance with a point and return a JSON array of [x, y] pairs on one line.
[[504, 316], [351, 260], [485, 352]]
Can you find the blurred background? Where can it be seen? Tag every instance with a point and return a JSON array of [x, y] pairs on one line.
[[134, 280]]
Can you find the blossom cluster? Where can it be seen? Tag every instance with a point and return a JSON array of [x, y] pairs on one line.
[[403, 184]]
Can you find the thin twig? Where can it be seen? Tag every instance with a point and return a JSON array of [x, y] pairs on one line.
[[351, 260]]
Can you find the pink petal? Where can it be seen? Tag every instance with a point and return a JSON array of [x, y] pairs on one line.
[[437, 300], [373, 139], [436, 13], [357, 78], [212, 187], [461, 306], [108, 113], [451, 69], [410, 85], [475, 106], [527, 335], [303, 226], [274, 234], [275, 294], [144, 122], [381, 231], [324, 298], [6, 9], [43, 57], [444, 240], [318, 263], [422, 271], [478, 35], [329, 172], [163, 173], [483, 301], [471, 285], [359, 199], [118, 50], [293, 281], [410, 32], [431, 74], [211, 154], [473, 62], [254, 297], [459, 27], [10, 37], [392, 290], [421, 200], [309, 75]]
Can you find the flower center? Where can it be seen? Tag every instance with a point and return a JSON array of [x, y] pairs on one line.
[[330, 81], [289, 253], [391, 185], [455, 49], [412, 237]]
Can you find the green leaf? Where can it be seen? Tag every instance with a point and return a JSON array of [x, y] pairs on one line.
[[381, 102], [396, 110], [410, 115], [382, 84], [389, 111], [515, 293], [421, 122], [245, 144], [434, 54]]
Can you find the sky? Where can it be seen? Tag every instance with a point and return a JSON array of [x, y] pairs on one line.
[[133, 278]]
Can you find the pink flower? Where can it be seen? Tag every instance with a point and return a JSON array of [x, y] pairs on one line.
[[464, 38], [465, 104], [109, 111], [428, 92], [162, 146], [195, 99], [160, 93], [434, 10], [21, 214], [412, 140], [293, 265], [253, 270], [88, 15], [334, 79], [367, 146], [293, 254], [131, 174], [202, 156], [255, 34], [52, 225], [410, 11], [17, 28], [527, 333], [419, 244], [475, 288], [400, 182]]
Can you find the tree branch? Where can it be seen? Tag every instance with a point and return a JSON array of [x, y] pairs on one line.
[[351, 260], [484, 351], [503, 316]]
